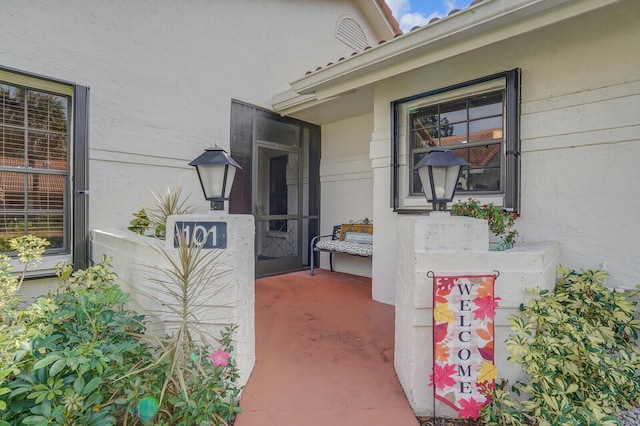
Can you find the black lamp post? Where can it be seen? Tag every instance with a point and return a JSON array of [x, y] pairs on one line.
[[216, 170], [439, 172]]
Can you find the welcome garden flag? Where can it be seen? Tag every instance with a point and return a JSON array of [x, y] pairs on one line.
[[464, 309]]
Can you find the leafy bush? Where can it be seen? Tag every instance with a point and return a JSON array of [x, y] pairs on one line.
[[140, 222], [578, 347], [66, 352], [77, 357], [500, 221]]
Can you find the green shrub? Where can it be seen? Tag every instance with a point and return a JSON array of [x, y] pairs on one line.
[[500, 221], [578, 348], [140, 222], [67, 352], [77, 357]]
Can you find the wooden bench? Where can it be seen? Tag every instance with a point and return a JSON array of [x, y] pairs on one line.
[[354, 239]]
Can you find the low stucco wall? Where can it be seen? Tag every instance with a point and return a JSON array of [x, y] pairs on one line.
[[229, 300], [456, 246]]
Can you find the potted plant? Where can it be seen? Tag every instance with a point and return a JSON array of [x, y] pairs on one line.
[[500, 221]]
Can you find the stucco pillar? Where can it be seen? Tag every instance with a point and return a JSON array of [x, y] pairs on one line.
[[449, 245], [230, 297]]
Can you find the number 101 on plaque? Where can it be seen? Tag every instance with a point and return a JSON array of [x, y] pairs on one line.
[[207, 235]]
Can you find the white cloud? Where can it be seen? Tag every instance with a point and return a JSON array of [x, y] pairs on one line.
[[410, 20], [398, 7], [407, 19]]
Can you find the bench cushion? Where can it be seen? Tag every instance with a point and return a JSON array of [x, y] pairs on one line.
[[356, 249]]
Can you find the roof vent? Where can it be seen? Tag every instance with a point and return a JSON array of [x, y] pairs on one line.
[[350, 32]]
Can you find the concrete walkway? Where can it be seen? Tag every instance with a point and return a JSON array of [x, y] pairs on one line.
[[324, 355]]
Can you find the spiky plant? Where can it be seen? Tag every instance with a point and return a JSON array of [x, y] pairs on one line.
[[165, 204], [186, 290]]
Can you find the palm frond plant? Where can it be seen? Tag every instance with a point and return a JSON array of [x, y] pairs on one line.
[[165, 204]]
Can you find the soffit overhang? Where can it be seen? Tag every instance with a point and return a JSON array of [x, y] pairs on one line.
[[479, 25]]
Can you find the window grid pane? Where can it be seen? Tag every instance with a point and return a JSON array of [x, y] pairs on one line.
[[473, 129], [33, 187]]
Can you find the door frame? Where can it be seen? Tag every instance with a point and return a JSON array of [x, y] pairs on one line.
[[267, 267], [244, 142]]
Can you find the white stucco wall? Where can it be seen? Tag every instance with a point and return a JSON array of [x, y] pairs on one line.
[[451, 246], [580, 139], [162, 74], [229, 297], [346, 180]]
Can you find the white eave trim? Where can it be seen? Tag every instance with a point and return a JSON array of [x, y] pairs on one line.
[[289, 102], [476, 26]]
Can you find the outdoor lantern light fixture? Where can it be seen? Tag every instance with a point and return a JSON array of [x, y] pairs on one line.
[[216, 170], [439, 172]]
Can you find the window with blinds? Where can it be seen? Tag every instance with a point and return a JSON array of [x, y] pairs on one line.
[[34, 164]]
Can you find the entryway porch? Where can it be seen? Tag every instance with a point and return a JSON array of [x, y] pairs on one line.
[[324, 355]]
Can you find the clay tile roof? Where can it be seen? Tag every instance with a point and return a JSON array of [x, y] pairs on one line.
[[396, 28], [389, 15]]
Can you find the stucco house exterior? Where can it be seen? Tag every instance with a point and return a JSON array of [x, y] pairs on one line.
[[138, 90], [564, 77], [327, 107]]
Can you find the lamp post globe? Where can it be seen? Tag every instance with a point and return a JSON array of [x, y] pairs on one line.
[[216, 171], [439, 172]]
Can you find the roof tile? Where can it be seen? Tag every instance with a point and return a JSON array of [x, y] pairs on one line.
[[380, 42]]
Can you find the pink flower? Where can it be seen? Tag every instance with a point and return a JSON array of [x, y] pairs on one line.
[[219, 358]]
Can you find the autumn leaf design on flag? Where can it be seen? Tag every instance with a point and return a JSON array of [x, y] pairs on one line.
[[442, 376], [442, 352], [464, 373], [486, 352], [486, 334], [443, 313], [485, 288], [444, 285], [440, 331], [488, 372], [470, 408], [486, 307]]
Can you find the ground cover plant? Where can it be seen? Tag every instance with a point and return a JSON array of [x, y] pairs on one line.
[[77, 356], [578, 346]]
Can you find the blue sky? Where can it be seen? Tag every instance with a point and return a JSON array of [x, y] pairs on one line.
[[411, 13]]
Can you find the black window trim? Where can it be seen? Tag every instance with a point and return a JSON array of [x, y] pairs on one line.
[[79, 205], [512, 137]]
